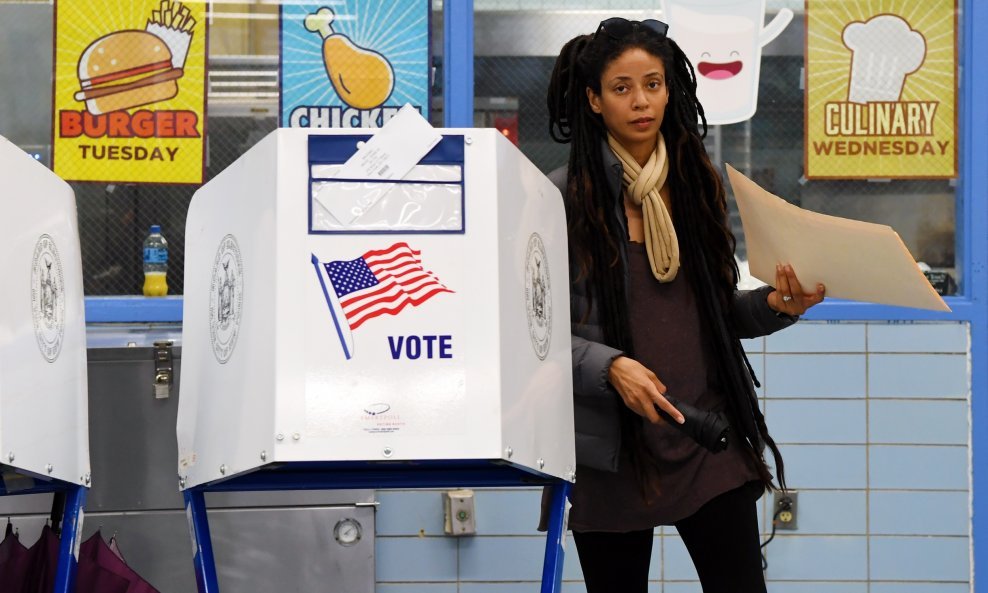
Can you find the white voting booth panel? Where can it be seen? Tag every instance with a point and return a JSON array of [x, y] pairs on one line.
[[330, 319], [43, 387]]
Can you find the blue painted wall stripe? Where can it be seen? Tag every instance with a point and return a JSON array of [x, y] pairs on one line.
[[458, 64], [974, 183], [133, 309]]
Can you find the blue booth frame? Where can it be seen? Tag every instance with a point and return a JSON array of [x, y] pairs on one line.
[[972, 235], [75, 499], [356, 475]]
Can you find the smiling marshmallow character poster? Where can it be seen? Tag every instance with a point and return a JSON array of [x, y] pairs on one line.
[[724, 40]]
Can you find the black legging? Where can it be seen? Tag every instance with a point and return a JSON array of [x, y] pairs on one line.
[[722, 539]]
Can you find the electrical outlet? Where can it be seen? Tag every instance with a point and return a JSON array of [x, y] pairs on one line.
[[784, 507], [459, 516]]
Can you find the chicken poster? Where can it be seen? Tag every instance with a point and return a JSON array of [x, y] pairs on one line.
[[881, 89], [129, 91], [353, 63]]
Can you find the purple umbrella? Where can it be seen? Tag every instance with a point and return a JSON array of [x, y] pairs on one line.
[[102, 570], [15, 562], [43, 563]]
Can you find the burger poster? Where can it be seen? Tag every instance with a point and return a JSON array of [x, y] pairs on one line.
[[881, 82], [129, 92], [353, 64]]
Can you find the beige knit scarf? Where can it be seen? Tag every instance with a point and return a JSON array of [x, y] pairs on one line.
[[643, 185]]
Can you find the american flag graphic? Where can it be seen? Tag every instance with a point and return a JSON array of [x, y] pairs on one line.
[[381, 282]]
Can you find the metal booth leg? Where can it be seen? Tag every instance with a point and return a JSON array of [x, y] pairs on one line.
[[68, 547], [205, 565], [552, 567]]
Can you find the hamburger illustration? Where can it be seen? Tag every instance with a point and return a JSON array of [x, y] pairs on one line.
[[126, 69]]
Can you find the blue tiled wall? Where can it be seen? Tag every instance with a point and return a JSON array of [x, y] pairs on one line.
[[873, 422]]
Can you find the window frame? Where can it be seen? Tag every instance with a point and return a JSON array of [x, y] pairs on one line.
[[971, 228]]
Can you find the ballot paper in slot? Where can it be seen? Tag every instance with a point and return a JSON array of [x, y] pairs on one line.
[[855, 260], [388, 156]]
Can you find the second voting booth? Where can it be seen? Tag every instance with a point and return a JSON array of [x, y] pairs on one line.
[[44, 431], [344, 332]]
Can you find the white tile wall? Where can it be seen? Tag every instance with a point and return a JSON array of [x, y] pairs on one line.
[[873, 422]]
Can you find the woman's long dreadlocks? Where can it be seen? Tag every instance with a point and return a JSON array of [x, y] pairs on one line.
[[699, 212]]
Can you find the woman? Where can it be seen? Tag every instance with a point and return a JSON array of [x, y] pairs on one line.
[[655, 311]]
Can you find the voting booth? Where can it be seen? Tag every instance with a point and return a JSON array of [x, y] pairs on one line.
[[44, 435], [402, 329]]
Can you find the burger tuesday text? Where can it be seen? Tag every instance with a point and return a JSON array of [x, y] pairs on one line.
[[121, 124]]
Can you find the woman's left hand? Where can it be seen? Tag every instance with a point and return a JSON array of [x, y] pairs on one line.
[[788, 296]]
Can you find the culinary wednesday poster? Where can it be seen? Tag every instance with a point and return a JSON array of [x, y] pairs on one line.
[[881, 81]]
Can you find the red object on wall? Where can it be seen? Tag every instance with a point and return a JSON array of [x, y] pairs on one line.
[[508, 125]]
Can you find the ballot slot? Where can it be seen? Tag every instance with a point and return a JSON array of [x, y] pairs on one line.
[[419, 173], [429, 199]]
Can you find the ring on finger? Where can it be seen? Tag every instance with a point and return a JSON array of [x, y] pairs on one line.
[[786, 298]]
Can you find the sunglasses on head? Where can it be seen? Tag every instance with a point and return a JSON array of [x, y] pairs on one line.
[[618, 28]]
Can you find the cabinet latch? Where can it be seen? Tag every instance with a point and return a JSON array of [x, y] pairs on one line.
[[163, 369]]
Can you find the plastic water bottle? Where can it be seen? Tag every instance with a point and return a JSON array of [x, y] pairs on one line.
[[155, 263]]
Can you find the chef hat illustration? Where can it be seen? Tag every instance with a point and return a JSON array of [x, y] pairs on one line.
[[884, 51]]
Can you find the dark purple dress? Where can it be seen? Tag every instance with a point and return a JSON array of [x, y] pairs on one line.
[[666, 333]]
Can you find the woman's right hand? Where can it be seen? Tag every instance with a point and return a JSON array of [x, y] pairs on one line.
[[640, 389]]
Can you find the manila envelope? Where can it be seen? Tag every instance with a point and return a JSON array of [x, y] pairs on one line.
[[855, 260]]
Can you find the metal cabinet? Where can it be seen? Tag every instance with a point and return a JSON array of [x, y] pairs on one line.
[[284, 541]]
